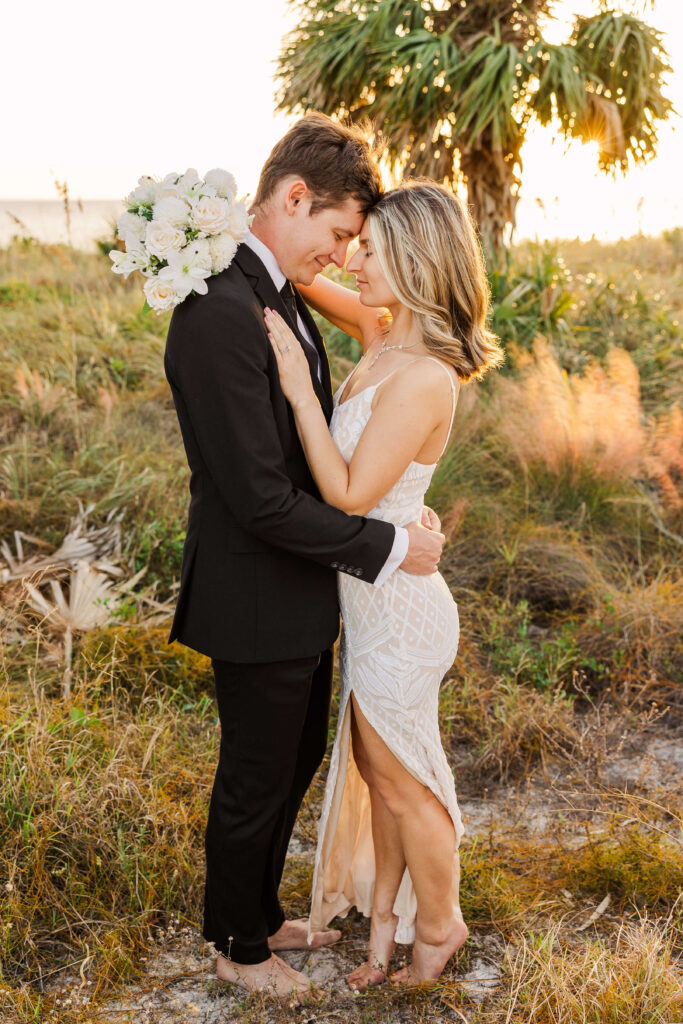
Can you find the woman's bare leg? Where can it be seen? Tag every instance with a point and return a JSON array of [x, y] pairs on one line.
[[389, 868], [418, 814]]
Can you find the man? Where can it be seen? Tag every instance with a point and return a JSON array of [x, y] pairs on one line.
[[258, 588]]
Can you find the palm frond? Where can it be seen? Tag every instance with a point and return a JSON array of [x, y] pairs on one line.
[[488, 83], [341, 38], [562, 83], [627, 58], [453, 86]]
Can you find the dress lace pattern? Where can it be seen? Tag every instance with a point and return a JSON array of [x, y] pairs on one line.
[[398, 641]]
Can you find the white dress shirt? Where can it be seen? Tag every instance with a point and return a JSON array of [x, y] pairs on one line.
[[400, 546]]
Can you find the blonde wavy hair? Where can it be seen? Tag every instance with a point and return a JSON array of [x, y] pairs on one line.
[[429, 254]]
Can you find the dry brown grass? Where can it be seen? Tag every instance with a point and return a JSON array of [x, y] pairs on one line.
[[633, 982], [505, 727], [639, 632], [101, 842], [561, 421]]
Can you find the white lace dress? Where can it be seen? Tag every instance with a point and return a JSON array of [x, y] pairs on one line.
[[398, 641]]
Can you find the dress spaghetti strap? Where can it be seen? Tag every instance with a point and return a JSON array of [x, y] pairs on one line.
[[403, 367], [454, 395]]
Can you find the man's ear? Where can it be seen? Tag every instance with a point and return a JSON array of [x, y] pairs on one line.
[[294, 196]]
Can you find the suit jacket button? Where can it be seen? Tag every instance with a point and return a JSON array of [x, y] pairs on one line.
[[358, 572], [334, 565]]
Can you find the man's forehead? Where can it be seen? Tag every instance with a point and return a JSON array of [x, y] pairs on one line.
[[347, 218]]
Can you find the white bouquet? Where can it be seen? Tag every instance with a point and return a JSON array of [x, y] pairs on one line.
[[178, 231]]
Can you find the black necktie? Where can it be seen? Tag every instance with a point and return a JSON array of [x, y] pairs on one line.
[[289, 299]]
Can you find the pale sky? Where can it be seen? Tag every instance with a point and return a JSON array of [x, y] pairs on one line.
[[101, 94]]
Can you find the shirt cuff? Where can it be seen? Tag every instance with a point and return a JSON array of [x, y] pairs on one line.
[[396, 556]]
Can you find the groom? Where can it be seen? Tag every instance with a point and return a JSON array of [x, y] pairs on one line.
[[258, 591]]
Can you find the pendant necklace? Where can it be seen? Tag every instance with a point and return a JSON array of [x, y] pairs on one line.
[[388, 348]]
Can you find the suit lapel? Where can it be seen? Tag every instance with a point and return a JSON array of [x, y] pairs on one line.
[[268, 295]]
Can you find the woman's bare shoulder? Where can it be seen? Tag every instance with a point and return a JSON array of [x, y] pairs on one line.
[[425, 374]]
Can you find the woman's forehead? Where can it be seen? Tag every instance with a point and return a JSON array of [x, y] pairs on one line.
[[364, 236]]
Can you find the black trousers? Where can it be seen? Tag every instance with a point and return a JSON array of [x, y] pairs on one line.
[[274, 721]]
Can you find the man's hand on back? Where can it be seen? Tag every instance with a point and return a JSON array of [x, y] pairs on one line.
[[424, 550]]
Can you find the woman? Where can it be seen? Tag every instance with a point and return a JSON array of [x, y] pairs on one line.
[[390, 825]]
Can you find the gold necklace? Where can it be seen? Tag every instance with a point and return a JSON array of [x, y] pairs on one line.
[[388, 348]]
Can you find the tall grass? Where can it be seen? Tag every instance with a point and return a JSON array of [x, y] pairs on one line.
[[554, 983], [561, 494], [100, 842]]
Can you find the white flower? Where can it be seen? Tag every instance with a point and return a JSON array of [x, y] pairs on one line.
[[168, 185], [211, 215], [126, 262], [239, 221], [162, 238], [161, 214], [131, 230], [189, 186], [222, 248], [202, 250], [187, 269], [148, 191], [223, 182], [173, 211], [160, 294]]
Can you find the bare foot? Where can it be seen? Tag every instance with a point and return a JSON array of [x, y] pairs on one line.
[[271, 977], [294, 935], [430, 958], [380, 948]]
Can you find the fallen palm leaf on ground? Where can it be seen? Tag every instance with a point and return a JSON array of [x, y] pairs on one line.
[[93, 600]]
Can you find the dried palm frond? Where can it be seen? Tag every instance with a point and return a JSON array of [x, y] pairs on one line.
[[92, 601], [99, 545]]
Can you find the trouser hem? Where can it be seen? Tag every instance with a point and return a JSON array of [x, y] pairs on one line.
[[239, 952], [277, 924]]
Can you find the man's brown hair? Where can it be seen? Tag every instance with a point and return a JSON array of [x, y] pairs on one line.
[[333, 159]]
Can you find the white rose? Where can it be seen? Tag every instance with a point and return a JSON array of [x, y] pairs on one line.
[[148, 191], [131, 229], [222, 248], [160, 294], [211, 215], [173, 211], [239, 221], [162, 238], [223, 182]]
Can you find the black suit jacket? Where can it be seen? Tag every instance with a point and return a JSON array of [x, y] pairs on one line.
[[258, 580]]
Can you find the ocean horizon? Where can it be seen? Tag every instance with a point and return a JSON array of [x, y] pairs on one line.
[[46, 220], [93, 219]]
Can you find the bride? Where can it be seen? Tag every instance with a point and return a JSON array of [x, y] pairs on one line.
[[390, 826]]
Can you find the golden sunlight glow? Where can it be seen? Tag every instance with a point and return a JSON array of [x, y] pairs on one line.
[[81, 118], [563, 192]]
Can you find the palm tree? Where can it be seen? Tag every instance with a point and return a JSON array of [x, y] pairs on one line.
[[454, 84]]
